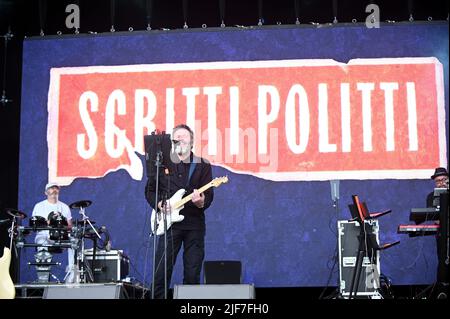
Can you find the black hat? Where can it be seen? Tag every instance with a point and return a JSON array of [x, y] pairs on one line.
[[440, 171]]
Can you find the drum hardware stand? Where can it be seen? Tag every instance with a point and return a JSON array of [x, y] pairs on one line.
[[43, 264], [81, 264], [13, 226], [11, 233], [56, 278]]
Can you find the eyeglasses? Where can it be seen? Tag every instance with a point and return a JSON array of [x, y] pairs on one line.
[[441, 180]]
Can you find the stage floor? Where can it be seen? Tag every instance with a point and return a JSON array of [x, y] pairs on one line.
[[124, 290]]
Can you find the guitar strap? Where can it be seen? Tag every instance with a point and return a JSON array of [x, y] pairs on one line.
[[191, 171]]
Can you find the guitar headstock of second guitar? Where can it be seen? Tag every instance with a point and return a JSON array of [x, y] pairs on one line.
[[219, 180]]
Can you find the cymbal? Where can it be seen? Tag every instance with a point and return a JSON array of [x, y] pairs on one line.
[[15, 213], [81, 204]]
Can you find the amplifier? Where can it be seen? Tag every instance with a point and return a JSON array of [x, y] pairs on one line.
[[222, 271], [109, 266]]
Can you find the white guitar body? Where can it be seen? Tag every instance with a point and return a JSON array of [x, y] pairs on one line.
[[7, 289], [177, 203], [172, 217]]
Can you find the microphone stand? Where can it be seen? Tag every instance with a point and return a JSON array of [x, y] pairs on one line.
[[155, 226], [165, 235], [335, 200], [159, 165], [164, 205], [335, 256]]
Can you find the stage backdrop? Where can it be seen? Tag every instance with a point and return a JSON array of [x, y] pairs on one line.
[[281, 111]]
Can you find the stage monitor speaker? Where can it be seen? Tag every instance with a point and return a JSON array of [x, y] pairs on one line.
[[243, 291], [84, 291], [222, 272]]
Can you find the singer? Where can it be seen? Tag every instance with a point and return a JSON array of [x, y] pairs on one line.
[[189, 172]]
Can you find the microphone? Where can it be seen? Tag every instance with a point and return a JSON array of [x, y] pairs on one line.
[[334, 190]]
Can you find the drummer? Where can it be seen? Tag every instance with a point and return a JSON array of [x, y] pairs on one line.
[[43, 209]]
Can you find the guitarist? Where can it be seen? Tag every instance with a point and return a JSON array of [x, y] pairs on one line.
[[189, 172]]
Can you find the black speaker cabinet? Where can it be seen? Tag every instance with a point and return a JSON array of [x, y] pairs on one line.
[[222, 272], [109, 266], [369, 280]]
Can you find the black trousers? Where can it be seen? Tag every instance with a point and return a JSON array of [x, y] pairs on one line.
[[443, 268], [193, 242]]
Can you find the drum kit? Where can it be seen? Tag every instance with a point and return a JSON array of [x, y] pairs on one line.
[[60, 235]]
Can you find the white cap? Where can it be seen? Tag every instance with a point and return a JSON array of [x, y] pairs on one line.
[[49, 185]]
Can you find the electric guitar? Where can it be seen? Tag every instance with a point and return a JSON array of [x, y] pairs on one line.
[[177, 203], [7, 289]]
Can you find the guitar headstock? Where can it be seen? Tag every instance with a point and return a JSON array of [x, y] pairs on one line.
[[219, 180]]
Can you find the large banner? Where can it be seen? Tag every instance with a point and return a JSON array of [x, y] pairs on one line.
[[287, 113], [280, 120]]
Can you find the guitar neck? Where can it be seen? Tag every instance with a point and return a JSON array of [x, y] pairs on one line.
[[189, 197]]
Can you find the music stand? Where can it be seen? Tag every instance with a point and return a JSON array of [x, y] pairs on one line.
[[367, 243], [359, 216], [157, 155], [365, 212]]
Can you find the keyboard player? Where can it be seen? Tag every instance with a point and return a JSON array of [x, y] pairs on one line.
[[440, 178], [438, 223]]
